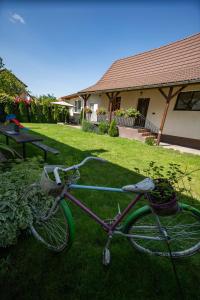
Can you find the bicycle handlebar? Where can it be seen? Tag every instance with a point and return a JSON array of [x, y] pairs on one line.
[[74, 167]]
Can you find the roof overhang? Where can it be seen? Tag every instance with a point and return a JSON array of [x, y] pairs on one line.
[[69, 97], [141, 87]]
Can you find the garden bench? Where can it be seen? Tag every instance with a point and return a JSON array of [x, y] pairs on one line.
[[19, 137], [46, 149]]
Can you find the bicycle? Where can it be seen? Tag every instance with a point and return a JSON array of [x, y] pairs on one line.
[[148, 232]]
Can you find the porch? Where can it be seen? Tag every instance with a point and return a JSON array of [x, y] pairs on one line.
[[138, 128], [158, 116]]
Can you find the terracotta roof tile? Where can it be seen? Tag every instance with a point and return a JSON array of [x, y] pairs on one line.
[[176, 62]]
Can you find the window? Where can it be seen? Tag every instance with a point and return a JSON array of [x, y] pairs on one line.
[[77, 107], [116, 104], [188, 101]]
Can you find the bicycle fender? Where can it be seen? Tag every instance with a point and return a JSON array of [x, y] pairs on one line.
[[146, 209], [70, 221]]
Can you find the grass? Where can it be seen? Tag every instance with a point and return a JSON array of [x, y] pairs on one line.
[[36, 273]]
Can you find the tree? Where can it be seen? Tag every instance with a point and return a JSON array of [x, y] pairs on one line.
[[10, 85], [1, 63], [47, 98]]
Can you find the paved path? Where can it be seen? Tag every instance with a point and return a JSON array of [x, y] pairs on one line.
[[180, 148]]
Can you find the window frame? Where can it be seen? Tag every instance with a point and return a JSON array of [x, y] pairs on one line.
[[182, 109], [76, 106]]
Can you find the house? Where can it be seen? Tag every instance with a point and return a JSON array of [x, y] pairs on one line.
[[163, 84]]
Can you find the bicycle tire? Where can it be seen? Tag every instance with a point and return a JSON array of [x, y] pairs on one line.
[[55, 231], [179, 234]]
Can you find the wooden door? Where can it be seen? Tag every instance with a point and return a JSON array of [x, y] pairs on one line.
[[142, 107]]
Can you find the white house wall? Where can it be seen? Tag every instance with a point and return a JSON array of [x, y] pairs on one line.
[[178, 123]]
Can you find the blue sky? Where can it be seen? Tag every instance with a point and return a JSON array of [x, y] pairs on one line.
[[63, 47]]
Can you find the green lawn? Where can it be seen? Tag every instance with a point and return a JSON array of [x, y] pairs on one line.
[[36, 273]]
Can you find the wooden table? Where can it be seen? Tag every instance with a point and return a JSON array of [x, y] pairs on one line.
[[20, 138]]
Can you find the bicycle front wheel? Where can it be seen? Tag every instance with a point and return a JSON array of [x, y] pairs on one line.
[[53, 228], [183, 230]]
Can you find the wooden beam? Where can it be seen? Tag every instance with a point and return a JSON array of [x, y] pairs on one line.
[[85, 96], [111, 97], [85, 99], [163, 93], [178, 91], [168, 99]]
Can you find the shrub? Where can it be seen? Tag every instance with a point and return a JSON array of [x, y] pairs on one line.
[[6, 104], [81, 115], [8, 151], [88, 127], [150, 141], [113, 129], [131, 113], [15, 213], [103, 127], [23, 111], [120, 113], [45, 112], [34, 111], [101, 111]]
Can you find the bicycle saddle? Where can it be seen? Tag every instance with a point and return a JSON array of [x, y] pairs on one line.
[[143, 186]]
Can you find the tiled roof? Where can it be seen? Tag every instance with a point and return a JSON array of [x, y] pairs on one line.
[[69, 97], [173, 63]]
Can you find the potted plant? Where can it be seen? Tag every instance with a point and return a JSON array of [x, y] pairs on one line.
[[119, 113], [101, 111], [163, 198], [169, 183], [101, 114], [132, 113], [126, 117], [119, 117], [88, 113]]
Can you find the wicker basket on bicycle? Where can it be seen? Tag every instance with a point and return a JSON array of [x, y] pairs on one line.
[[48, 185]]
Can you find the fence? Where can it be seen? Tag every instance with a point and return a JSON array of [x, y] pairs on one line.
[[138, 122]]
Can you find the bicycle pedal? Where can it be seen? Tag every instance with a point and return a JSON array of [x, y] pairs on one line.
[[106, 257]]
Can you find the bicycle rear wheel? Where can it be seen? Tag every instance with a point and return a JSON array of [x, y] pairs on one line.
[[183, 230], [53, 228]]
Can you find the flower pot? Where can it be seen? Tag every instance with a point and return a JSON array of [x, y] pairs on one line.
[[88, 116], [101, 118], [163, 199], [125, 121], [165, 209]]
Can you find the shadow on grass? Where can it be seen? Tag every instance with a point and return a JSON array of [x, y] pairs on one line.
[[36, 273]]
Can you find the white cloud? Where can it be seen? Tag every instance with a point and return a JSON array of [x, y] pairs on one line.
[[16, 18]]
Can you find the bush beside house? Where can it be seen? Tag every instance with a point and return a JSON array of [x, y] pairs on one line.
[[113, 130]]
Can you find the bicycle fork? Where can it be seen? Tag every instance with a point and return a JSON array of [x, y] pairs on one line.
[[106, 252]]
